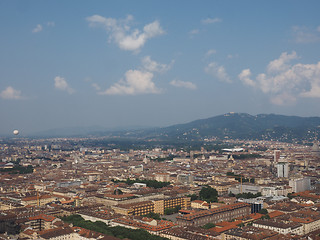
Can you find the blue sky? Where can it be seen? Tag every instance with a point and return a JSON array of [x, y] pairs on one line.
[[155, 63]]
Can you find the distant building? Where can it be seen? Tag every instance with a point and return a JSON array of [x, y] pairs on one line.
[[157, 206], [185, 179], [300, 184], [136, 169], [283, 170], [315, 150], [250, 232], [42, 222], [215, 215], [245, 188], [280, 227], [162, 177], [276, 156], [256, 204]]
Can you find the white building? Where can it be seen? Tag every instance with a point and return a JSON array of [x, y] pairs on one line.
[[283, 169], [300, 184]]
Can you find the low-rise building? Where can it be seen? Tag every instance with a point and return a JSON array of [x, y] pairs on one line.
[[249, 233], [280, 226], [219, 214]]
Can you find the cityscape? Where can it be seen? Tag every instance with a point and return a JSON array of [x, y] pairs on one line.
[[85, 188], [159, 120]]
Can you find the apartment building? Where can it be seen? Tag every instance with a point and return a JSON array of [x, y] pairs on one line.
[[215, 215]]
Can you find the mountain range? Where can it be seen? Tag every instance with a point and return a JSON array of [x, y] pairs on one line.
[[230, 125]]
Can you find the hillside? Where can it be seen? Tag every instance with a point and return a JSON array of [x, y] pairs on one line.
[[242, 126]]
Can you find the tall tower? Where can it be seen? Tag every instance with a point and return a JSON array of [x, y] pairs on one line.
[[282, 170], [276, 156], [315, 150]]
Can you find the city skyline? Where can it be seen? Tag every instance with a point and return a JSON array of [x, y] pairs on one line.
[[118, 64]]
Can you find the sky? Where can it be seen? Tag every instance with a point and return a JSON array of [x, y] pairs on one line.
[[149, 63]]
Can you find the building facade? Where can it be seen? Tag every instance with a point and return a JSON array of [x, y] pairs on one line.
[[215, 215]]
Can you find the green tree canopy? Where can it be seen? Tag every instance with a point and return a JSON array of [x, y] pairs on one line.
[[208, 194]]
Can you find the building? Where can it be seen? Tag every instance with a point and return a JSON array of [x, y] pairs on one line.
[[215, 215], [8, 223], [282, 170], [315, 150], [42, 222], [183, 202], [300, 184], [136, 169], [276, 156], [141, 208], [156, 206], [199, 204], [245, 188], [250, 233], [255, 203], [38, 200], [185, 179], [280, 226], [162, 177], [308, 218]]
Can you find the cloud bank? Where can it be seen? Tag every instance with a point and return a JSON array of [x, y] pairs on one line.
[[285, 82]]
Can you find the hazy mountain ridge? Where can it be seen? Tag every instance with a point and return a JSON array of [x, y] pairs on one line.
[[230, 125], [243, 126]]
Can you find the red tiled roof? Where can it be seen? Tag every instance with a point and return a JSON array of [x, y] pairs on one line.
[[275, 214], [44, 217], [223, 229]]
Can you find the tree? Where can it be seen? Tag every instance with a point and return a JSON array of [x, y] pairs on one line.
[[208, 225], [263, 211], [208, 194], [265, 216], [169, 211], [193, 197], [153, 215]]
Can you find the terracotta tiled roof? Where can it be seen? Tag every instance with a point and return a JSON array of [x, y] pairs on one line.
[[275, 214], [51, 233], [44, 217]]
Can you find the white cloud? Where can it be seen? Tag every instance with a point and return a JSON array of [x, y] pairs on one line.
[[38, 28], [121, 33], [230, 56], [281, 64], [211, 52], [183, 84], [304, 34], [153, 66], [285, 82], [245, 77], [218, 71], [194, 32], [211, 20], [61, 84], [51, 24], [96, 86], [283, 99], [135, 82], [11, 93]]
